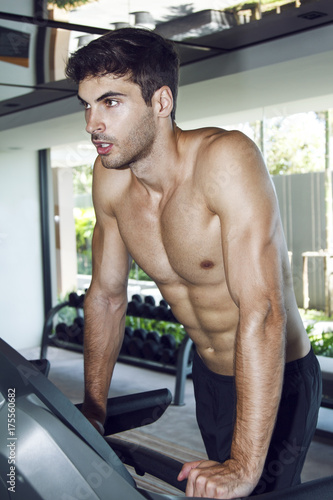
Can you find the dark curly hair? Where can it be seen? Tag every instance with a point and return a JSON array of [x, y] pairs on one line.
[[148, 59]]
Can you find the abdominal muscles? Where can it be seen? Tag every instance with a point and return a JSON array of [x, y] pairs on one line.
[[210, 318]]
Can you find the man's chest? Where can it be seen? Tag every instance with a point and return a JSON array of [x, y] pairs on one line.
[[181, 242]]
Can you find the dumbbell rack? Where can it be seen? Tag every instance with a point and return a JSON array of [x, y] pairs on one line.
[[182, 368]]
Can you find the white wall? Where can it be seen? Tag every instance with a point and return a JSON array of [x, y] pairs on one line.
[[256, 93], [21, 292]]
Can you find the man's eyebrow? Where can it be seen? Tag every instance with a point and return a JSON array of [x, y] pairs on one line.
[[103, 96], [80, 99], [109, 94]]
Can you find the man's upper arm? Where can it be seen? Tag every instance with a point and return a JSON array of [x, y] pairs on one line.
[[110, 258], [251, 231]]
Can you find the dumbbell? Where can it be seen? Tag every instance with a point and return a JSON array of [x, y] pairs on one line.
[[154, 336], [76, 300], [79, 321], [170, 317], [67, 333], [152, 349], [161, 312], [135, 344], [134, 306], [74, 331], [147, 309], [168, 342], [129, 331], [127, 337], [62, 332], [168, 356]]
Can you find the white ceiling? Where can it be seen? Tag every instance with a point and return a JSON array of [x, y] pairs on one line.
[[102, 13]]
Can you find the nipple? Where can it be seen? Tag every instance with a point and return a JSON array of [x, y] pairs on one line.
[[207, 264]]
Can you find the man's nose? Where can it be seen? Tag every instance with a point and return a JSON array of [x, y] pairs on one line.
[[94, 124]]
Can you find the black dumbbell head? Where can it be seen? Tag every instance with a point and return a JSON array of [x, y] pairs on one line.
[[160, 313], [76, 300], [167, 356], [62, 332], [171, 317], [153, 335], [134, 347], [147, 311], [137, 298], [150, 350], [124, 345], [79, 321], [73, 331], [134, 308], [149, 299], [140, 333], [168, 341], [128, 331]]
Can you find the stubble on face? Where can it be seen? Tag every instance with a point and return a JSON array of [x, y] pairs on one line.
[[136, 145]]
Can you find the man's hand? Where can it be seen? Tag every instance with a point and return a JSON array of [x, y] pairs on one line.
[[97, 424], [209, 479]]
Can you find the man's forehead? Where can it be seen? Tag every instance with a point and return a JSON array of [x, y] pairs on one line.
[[94, 85], [107, 79]]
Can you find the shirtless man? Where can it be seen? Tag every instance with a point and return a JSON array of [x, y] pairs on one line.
[[197, 211]]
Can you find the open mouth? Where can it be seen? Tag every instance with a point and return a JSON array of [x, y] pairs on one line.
[[103, 148]]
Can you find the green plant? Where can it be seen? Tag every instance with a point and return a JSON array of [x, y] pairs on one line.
[[322, 344], [313, 315], [68, 4], [265, 4], [84, 226], [82, 179], [136, 273], [66, 314], [162, 327]]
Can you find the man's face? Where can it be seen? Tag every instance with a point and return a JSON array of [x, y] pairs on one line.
[[121, 125]]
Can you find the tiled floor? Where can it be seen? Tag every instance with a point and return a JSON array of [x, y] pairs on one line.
[[178, 424]]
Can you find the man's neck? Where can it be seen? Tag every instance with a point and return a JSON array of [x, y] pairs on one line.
[[161, 172]]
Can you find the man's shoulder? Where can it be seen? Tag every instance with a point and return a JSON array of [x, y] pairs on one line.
[[211, 135], [108, 178], [216, 149], [108, 186], [225, 162], [211, 141]]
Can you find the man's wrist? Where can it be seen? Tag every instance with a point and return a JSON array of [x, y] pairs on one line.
[[250, 469], [98, 425], [95, 415]]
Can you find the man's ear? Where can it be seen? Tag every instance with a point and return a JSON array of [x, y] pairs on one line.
[[163, 101]]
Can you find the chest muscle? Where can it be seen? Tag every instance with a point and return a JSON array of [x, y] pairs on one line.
[[180, 243]]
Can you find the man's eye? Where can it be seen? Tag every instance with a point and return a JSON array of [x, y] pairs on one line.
[[85, 104], [111, 102]]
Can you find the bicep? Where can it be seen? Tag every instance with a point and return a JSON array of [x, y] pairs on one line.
[[251, 232], [253, 261], [110, 258]]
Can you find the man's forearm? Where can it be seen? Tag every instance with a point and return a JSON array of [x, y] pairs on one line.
[[104, 330], [259, 368]]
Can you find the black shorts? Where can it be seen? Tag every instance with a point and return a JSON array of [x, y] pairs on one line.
[[215, 397]]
